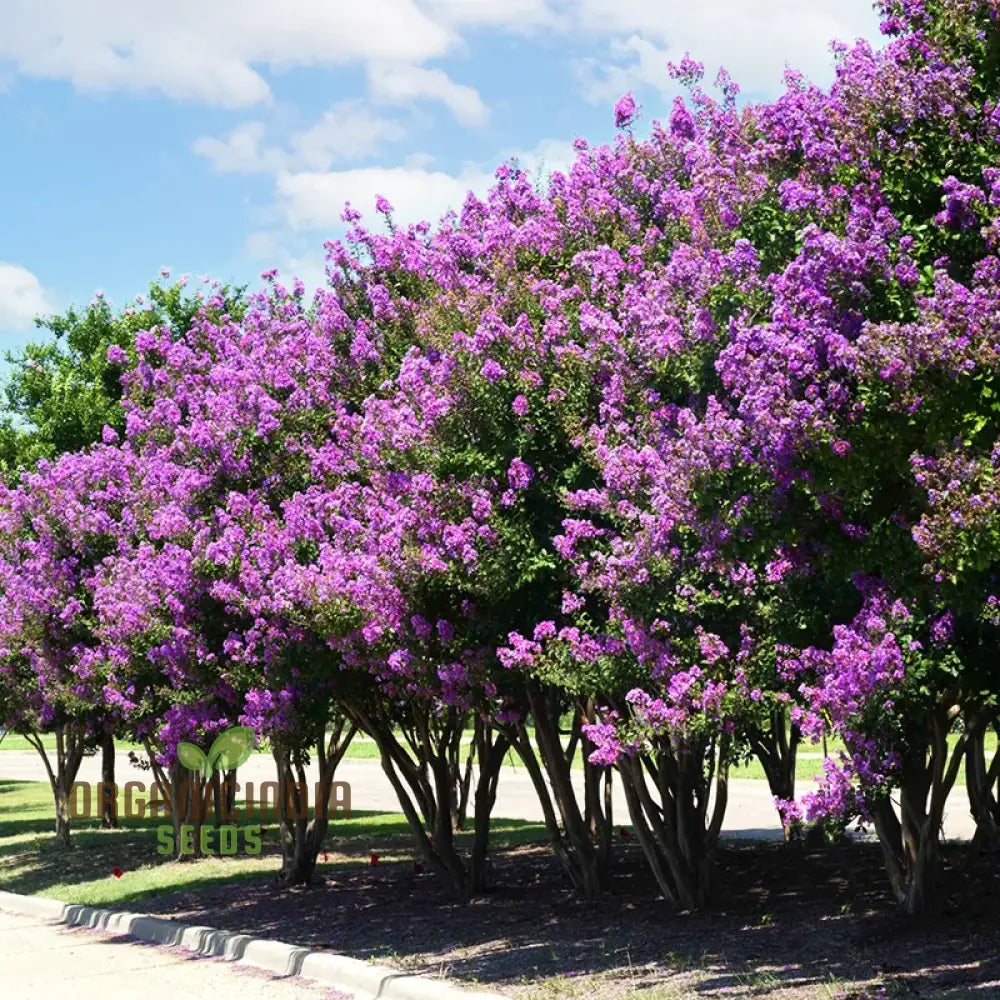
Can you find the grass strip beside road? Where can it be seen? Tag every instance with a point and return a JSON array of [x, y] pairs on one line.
[[33, 864]]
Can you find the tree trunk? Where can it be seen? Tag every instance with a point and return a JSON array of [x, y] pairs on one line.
[[302, 835], [186, 796], [597, 800], [62, 815], [980, 781], [910, 841], [69, 754], [463, 777], [776, 749], [109, 803], [423, 778], [491, 754], [676, 831], [568, 833]]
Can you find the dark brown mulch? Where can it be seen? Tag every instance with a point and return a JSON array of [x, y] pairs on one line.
[[788, 921]]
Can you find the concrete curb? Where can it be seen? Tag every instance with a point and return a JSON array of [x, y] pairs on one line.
[[361, 979]]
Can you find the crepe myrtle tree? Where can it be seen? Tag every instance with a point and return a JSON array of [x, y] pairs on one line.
[[331, 539], [274, 673], [169, 683], [292, 687], [380, 560], [865, 352], [673, 696], [238, 401], [885, 509], [454, 430], [58, 527], [531, 332], [324, 737], [63, 389], [292, 684], [272, 410], [891, 688]]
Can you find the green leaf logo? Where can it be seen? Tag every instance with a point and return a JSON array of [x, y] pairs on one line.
[[230, 749], [191, 756]]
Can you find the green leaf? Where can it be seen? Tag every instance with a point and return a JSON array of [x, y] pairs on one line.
[[190, 756], [232, 748]]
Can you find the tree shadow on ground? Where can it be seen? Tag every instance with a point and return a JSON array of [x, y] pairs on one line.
[[788, 922]]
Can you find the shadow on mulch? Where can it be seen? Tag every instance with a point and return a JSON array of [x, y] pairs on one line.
[[788, 922]]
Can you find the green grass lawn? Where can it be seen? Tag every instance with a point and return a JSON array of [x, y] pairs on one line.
[[12, 741], [32, 863]]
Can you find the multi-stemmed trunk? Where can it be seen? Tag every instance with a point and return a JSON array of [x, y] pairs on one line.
[[584, 860], [490, 746], [678, 826], [301, 834], [910, 840], [597, 793], [462, 760], [421, 770], [223, 796], [982, 774], [775, 746], [185, 795], [70, 745]]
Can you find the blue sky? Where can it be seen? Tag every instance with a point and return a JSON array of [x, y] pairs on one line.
[[223, 137]]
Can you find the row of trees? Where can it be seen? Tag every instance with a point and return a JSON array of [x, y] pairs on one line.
[[695, 447]]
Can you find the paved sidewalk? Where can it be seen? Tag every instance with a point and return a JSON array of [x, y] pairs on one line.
[[40, 960]]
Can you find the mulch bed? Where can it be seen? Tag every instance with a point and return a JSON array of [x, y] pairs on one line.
[[788, 922]]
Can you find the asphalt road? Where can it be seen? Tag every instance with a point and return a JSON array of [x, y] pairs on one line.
[[750, 813]]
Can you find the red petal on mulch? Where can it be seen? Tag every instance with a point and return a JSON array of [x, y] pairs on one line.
[[117, 872]]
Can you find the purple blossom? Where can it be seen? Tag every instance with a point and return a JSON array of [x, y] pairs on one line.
[[625, 111]]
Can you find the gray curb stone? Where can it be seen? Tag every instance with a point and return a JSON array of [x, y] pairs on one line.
[[350, 975]]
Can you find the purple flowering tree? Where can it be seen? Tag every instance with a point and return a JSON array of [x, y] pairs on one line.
[[58, 530]]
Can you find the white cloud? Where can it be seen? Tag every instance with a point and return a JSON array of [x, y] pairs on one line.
[[348, 131], [209, 51], [752, 39], [293, 256], [240, 152], [261, 246], [309, 268], [402, 84], [22, 298], [315, 200], [418, 160], [220, 51], [515, 15], [548, 156]]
